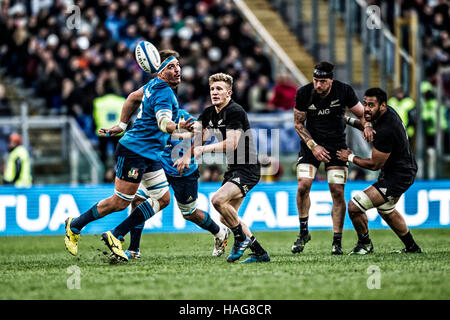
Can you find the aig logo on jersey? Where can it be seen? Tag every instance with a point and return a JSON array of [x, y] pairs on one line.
[[324, 111], [133, 173]]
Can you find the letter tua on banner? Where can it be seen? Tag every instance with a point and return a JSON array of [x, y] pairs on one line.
[[259, 209], [413, 220], [178, 221], [5, 201], [285, 220], [320, 210], [443, 196], [65, 208], [38, 224]]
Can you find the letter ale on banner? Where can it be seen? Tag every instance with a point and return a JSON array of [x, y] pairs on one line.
[[42, 210]]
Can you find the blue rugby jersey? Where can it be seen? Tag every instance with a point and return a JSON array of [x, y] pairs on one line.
[[176, 147], [145, 138]]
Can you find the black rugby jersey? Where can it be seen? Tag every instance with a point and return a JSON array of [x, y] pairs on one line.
[[232, 117], [391, 137], [325, 116]]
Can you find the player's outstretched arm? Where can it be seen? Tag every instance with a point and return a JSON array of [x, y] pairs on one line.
[[131, 104], [230, 143]]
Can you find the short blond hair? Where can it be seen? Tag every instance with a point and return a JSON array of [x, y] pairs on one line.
[[221, 77]]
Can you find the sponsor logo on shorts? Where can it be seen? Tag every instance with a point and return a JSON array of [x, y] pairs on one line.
[[133, 173], [238, 180], [383, 190], [312, 107]]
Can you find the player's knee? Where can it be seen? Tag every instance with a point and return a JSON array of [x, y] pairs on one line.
[[353, 210], [165, 200], [303, 190], [338, 196], [136, 202], [386, 208], [121, 201], [217, 201], [121, 204], [187, 209]]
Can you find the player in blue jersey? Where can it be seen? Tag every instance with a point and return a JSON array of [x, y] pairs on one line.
[[137, 156], [182, 174]]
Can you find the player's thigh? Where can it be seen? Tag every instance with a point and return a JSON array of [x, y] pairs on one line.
[[337, 177], [229, 191], [154, 183], [125, 190], [364, 200], [186, 192]]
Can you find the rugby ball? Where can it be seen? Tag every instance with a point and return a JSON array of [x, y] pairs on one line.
[[147, 56]]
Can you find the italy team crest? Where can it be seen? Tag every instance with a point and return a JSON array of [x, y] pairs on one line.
[[133, 173]]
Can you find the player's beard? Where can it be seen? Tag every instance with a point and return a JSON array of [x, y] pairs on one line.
[[174, 82], [324, 93], [373, 117]]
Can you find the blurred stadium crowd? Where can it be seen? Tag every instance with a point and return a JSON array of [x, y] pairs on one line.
[[434, 17], [70, 67]]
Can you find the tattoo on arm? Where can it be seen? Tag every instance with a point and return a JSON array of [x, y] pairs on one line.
[[299, 123]]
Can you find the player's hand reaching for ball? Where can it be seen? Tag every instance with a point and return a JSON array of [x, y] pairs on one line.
[[111, 132], [321, 154]]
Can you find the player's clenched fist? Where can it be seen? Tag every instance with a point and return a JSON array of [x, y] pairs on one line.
[[113, 131]]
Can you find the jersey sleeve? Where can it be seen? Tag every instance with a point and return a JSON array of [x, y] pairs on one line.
[[350, 97], [382, 140], [235, 119], [163, 103], [302, 99]]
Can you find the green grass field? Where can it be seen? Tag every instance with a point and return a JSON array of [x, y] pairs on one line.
[[180, 266]]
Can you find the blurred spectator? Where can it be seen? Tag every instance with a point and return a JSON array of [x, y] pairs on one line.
[[259, 95], [211, 173], [110, 175], [107, 110], [405, 107], [283, 95], [357, 173], [429, 117], [18, 167], [263, 62], [240, 94], [5, 109]]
